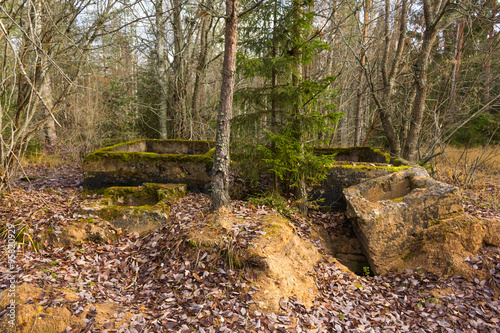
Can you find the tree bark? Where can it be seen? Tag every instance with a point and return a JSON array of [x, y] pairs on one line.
[[220, 177], [359, 103], [202, 63], [420, 70], [433, 15], [46, 92], [456, 67], [161, 69], [178, 105], [46, 79], [491, 36], [389, 71]]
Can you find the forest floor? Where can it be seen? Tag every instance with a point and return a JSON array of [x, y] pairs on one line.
[[157, 284]]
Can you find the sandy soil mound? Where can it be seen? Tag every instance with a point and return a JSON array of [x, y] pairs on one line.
[[37, 314], [275, 255]]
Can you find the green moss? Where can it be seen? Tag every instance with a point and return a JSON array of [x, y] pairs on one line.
[[398, 199], [87, 220], [159, 195], [109, 153], [433, 223], [154, 157], [149, 192], [363, 152], [271, 229], [142, 193], [210, 153], [408, 256], [99, 191], [398, 162], [387, 156], [115, 212], [373, 167], [171, 192]]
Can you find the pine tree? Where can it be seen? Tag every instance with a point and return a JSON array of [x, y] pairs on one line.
[[285, 109]]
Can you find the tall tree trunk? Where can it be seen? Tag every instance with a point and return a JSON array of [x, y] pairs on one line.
[[389, 73], [433, 15], [359, 102], [46, 92], [46, 78], [220, 177], [456, 64], [297, 76], [202, 63], [420, 70], [178, 107], [42, 76], [161, 68], [274, 81], [491, 36]]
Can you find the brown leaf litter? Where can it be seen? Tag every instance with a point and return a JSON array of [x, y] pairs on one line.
[[164, 283]]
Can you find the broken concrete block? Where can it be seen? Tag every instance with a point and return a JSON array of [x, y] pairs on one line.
[[137, 209], [150, 161], [387, 211]]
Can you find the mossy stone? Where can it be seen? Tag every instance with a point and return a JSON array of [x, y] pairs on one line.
[[159, 161]]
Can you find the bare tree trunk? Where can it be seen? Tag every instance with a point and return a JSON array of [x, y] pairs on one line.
[[178, 106], [202, 63], [161, 68], [220, 177], [456, 67], [433, 14], [46, 92], [491, 36], [420, 69], [405, 122], [359, 103], [389, 73], [44, 80]]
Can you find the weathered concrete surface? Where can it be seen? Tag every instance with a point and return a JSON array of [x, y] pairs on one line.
[[156, 161], [446, 247], [137, 209], [387, 211], [352, 166]]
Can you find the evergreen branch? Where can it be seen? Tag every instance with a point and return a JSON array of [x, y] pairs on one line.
[[246, 11]]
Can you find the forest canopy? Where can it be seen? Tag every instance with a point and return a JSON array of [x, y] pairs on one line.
[[411, 76]]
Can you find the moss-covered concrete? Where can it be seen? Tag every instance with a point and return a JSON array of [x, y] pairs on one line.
[[389, 168], [361, 154], [149, 194], [355, 154], [352, 166], [160, 161], [137, 209]]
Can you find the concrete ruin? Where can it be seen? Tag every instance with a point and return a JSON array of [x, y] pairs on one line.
[[387, 212], [137, 209], [352, 166], [388, 200], [150, 161]]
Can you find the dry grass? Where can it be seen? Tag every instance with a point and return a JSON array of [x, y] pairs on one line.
[[476, 171], [42, 158], [469, 167]]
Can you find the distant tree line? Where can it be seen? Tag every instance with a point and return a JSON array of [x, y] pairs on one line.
[[412, 76]]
